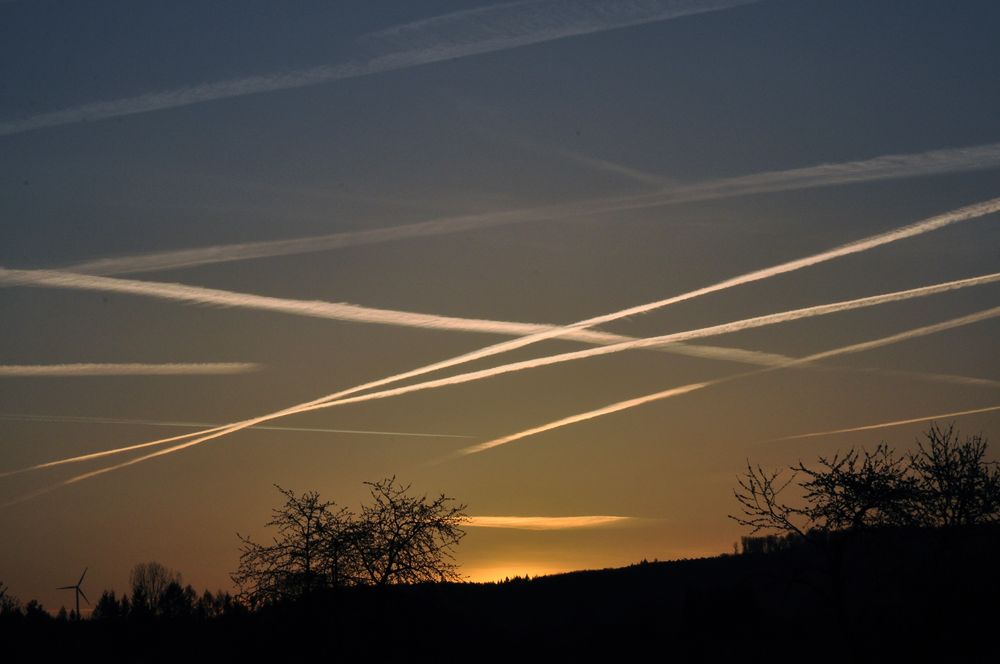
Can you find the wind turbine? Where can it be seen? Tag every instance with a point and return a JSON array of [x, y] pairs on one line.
[[79, 592]]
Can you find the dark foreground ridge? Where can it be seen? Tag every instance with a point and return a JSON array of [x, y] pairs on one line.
[[875, 595]]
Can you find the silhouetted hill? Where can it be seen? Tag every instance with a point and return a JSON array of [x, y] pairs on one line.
[[880, 595]]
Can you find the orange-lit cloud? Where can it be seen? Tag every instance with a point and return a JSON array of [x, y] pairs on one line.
[[545, 522]]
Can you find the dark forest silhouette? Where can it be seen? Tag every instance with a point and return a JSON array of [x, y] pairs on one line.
[[880, 556]]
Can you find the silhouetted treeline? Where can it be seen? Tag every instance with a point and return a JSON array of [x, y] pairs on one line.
[[886, 558], [905, 594]]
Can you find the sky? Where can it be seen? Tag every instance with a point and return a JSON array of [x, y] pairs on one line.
[[579, 253]]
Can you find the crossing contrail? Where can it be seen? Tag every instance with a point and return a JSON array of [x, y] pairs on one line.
[[130, 369], [340, 311], [225, 298], [735, 326], [446, 37], [951, 160], [684, 389], [920, 227], [895, 423], [344, 312]]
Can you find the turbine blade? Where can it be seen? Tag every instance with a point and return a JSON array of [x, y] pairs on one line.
[[82, 575], [66, 588], [84, 596]]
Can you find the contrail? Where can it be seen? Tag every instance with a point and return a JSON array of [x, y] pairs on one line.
[[544, 522], [924, 226], [711, 352], [446, 37], [895, 423], [336, 311], [95, 369], [73, 419], [824, 175], [332, 311], [340, 398], [339, 311], [684, 389], [190, 293], [97, 455], [201, 295]]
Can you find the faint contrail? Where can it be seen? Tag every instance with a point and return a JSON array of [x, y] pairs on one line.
[[544, 522], [446, 37], [97, 420], [95, 369], [684, 389], [75, 419], [823, 175], [340, 398], [895, 423]]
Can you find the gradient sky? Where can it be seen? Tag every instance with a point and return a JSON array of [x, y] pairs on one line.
[[565, 129]]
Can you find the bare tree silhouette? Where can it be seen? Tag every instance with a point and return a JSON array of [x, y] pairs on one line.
[[398, 538], [406, 539], [957, 485], [309, 552], [946, 482]]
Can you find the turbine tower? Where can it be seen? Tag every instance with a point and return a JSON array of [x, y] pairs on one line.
[[79, 592]]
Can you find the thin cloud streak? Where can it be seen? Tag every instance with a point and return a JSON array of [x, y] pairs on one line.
[[750, 323], [130, 369], [545, 522], [684, 389], [163, 441], [918, 228], [360, 314], [437, 39], [177, 291], [662, 340], [894, 423], [75, 419], [824, 175], [338, 310]]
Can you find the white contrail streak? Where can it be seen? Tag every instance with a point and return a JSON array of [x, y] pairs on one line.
[[446, 37], [545, 522], [650, 342], [176, 291], [316, 309], [95, 369], [823, 175], [347, 312], [340, 311], [917, 228], [750, 323], [895, 423], [684, 389]]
